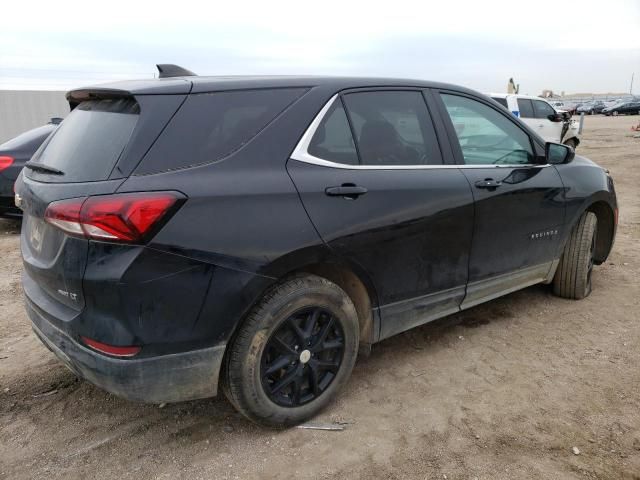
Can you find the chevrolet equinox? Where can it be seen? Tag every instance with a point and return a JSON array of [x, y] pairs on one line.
[[187, 233]]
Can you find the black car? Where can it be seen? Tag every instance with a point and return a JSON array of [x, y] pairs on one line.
[[257, 233], [14, 154], [626, 108], [591, 108]]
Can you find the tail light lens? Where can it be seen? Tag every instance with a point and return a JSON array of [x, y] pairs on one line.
[[125, 217], [5, 162]]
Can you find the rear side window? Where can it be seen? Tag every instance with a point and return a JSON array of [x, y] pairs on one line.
[[525, 107], [501, 101], [332, 140], [210, 126], [88, 143], [393, 128], [543, 109]]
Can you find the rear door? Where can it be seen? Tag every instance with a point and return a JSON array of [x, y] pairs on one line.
[[519, 206], [371, 175], [82, 157]]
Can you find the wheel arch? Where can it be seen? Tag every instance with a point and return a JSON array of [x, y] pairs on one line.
[[320, 261], [606, 228], [358, 289]]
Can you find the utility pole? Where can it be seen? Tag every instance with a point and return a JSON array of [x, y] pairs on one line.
[[631, 87]]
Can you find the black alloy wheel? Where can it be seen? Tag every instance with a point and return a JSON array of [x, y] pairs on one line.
[[302, 357]]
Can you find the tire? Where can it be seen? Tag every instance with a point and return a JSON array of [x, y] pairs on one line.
[[268, 377], [573, 276], [571, 143]]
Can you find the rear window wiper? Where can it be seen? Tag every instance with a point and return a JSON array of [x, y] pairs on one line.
[[41, 167]]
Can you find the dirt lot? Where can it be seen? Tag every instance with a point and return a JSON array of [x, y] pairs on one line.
[[504, 390]]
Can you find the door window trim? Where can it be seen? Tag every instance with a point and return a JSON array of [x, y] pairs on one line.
[[301, 151]]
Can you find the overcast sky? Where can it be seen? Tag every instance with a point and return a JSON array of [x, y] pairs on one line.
[[571, 46]]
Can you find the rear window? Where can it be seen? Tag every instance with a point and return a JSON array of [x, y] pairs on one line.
[[501, 101], [88, 143], [211, 126], [29, 140]]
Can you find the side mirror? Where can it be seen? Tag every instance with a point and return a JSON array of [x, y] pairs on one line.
[[556, 117], [557, 153]]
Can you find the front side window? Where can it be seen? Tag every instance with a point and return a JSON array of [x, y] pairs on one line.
[[393, 128], [486, 136], [332, 140], [525, 107], [543, 109]]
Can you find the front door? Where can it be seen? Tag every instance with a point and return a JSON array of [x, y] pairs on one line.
[[535, 113], [519, 207], [386, 203]]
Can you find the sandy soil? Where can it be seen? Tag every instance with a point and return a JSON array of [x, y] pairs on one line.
[[502, 391]]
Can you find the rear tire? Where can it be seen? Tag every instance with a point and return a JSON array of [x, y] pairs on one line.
[[294, 352], [573, 276]]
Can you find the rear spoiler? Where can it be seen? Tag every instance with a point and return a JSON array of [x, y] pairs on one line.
[[171, 81], [76, 97]]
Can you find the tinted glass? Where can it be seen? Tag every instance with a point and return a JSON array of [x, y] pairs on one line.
[[87, 145], [210, 126], [543, 109], [525, 107], [333, 140], [486, 136], [393, 128], [501, 101]]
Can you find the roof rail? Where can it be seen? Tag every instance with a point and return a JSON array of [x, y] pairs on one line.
[[168, 70]]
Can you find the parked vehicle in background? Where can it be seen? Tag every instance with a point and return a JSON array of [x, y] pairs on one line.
[[623, 108], [258, 232], [563, 106], [13, 155], [552, 125], [591, 108]]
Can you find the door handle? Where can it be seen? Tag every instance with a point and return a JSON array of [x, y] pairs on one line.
[[488, 183], [346, 190]]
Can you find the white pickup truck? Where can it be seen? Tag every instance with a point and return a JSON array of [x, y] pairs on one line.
[[551, 124]]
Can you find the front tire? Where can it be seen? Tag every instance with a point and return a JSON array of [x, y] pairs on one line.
[[573, 276], [293, 353]]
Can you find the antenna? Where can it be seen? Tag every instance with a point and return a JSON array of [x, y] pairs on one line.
[[168, 70]]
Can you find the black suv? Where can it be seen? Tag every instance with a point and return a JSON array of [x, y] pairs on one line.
[[258, 232]]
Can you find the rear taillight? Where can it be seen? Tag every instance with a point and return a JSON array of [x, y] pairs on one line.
[[125, 217], [5, 162], [111, 349]]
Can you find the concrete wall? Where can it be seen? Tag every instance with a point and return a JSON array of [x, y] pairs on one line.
[[22, 110]]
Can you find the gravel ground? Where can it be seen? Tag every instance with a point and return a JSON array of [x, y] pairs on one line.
[[505, 390]]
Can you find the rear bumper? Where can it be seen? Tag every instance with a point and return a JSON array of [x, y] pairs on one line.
[[165, 378]]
